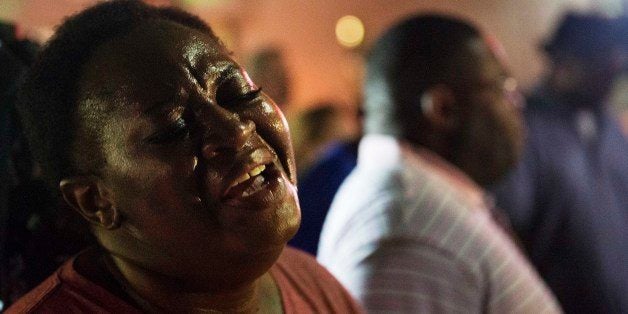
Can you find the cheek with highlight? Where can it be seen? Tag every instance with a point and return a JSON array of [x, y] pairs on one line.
[[273, 128]]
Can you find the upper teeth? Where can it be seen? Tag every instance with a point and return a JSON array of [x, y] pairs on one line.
[[255, 171]]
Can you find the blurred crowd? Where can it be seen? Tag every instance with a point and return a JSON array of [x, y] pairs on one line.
[[444, 188]]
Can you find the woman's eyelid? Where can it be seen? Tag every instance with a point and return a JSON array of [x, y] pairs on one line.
[[237, 90], [171, 130]]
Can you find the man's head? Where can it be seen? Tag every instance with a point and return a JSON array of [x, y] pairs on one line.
[[436, 82], [162, 142], [586, 57]]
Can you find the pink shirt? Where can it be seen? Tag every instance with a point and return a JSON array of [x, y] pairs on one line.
[[306, 287]]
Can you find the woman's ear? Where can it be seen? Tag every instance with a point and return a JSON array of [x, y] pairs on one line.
[[90, 198], [438, 107]]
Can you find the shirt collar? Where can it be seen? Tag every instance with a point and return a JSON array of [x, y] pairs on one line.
[[383, 151], [455, 177], [377, 151]]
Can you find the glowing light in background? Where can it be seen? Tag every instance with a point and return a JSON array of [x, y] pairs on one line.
[[349, 31], [9, 9]]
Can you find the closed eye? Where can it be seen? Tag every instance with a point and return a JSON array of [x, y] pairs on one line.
[[174, 132], [230, 94]]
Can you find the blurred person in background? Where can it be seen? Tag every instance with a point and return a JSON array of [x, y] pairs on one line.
[[410, 230], [268, 68], [568, 197], [14, 60], [182, 167], [313, 130], [319, 183], [619, 100], [36, 235], [619, 97]]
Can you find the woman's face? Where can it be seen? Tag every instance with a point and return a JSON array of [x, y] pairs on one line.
[[198, 162]]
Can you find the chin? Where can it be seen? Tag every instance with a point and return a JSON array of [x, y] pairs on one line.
[[292, 218], [285, 220], [286, 226], [275, 233]]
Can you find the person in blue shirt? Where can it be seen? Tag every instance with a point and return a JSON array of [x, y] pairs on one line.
[[320, 181], [568, 197], [317, 189]]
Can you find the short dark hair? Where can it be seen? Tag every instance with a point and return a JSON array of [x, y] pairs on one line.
[[413, 55], [48, 100]]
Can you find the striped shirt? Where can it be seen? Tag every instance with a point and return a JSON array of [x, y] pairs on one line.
[[409, 233]]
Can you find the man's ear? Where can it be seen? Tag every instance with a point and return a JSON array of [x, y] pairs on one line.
[[90, 198], [438, 106]]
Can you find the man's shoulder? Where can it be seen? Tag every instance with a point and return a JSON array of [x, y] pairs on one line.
[[380, 178], [376, 188], [401, 200], [438, 210]]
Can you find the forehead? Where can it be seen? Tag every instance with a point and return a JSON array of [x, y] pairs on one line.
[[152, 63]]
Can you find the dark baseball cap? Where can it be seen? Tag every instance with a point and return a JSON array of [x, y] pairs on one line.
[[586, 35]]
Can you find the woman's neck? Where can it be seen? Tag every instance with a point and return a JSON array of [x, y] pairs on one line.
[[155, 292]]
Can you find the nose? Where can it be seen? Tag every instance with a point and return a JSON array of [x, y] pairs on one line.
[[224, 131]]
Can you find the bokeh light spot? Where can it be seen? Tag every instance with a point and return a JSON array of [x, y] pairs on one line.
[[349, 31]]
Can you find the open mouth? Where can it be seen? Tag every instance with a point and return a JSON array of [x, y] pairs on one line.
[[249, 183]]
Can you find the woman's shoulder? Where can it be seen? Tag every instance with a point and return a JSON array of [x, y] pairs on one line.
[[293, 256], [294, 264], [69, 291], [306, 286]]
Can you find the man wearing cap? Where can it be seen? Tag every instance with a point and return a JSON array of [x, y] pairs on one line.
[[568, 197]]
